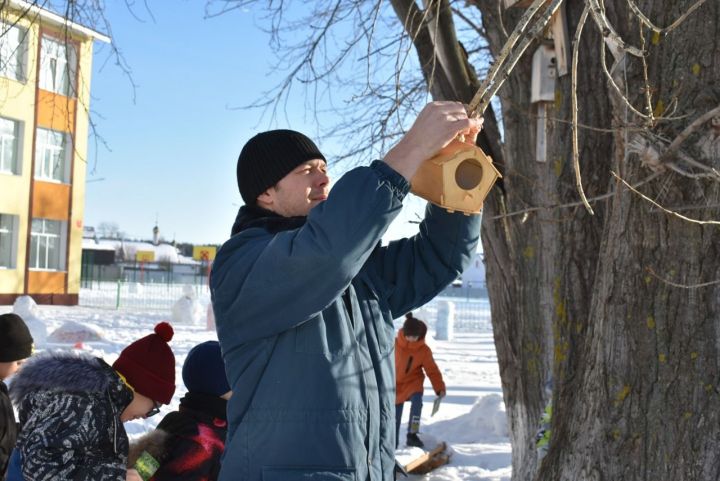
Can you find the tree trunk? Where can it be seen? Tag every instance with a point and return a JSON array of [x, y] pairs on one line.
[[642, 402], [634, 359], [578, 298]]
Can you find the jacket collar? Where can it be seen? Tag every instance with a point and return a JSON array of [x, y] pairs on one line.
[[205, 404], [250, 216]]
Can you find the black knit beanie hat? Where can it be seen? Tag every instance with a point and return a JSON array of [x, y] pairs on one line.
[[414, 326], [268, 157], [16, 343]]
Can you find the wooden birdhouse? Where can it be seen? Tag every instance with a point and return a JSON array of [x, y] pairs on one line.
[[458, 178]]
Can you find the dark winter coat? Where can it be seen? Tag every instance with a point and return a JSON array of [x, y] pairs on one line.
[[305, 321], [189, 442], [69, 407], [8, 429]]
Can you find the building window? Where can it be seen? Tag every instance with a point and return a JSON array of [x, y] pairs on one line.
[[8, 241], [9, 135], [47, 245], [57, 66], [12, 51], [51, 156]]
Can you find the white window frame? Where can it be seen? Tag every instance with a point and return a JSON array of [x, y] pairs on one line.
[[8, 241], [41, 240], [11, 165], [52, 160], [13, 52], [58, 66]]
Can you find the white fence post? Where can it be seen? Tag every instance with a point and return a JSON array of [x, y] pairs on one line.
[[445, 321]]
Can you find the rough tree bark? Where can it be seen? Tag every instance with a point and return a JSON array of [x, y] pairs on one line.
[[633, 357]]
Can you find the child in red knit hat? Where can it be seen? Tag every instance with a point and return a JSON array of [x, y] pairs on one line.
[[72, 407]]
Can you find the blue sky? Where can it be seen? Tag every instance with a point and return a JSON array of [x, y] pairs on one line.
[[173, 149]]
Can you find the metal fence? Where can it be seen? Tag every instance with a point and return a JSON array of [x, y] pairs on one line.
[[133, 295], [465, 313]]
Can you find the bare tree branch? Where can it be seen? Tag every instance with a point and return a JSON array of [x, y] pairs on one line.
[[510, 55], [682, 286], [574, 109], [694, 126], [679, 216], [669, 28]]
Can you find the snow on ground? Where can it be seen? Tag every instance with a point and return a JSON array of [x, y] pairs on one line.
[[471, 418]]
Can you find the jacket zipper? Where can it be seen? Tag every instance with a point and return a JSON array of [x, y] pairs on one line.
[[114, 421], [409, 365]]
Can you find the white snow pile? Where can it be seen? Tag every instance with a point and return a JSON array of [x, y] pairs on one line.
[[188, 309], [72, 332], [485, 422], [26, 308], [488, 416]]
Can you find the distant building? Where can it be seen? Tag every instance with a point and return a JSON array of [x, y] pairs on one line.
[[45, 66], [156, 261], [474, 275]]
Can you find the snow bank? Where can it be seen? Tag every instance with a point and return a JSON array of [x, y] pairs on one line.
[[26, 308], [73, 332]]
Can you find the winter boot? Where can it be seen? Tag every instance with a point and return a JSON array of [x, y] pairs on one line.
[[414, 440]]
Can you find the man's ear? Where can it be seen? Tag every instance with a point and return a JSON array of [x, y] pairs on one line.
[[266, 199]]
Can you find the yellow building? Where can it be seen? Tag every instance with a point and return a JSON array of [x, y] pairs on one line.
[[45, 67]]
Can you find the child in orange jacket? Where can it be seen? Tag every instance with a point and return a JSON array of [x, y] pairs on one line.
[[412, 357]]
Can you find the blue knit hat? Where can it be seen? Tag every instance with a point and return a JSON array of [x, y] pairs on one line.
[[204, 370]]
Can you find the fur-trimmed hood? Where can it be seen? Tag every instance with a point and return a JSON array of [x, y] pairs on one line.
[[72, 402], [62, 371]]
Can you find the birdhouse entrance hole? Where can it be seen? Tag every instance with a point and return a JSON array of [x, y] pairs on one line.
[[468, 174]]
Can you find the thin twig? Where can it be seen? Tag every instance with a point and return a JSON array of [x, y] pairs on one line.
[[615, 86], [500, 19], [710, 175], [574, 109], [682, 286], [607, 30], [680, 216], [672, 26], [570, 204], [648, 90], [696, 124]]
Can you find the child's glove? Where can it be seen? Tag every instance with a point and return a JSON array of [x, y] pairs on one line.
[[440, 393]]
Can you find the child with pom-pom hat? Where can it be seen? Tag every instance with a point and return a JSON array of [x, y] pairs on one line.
[[72, 406]]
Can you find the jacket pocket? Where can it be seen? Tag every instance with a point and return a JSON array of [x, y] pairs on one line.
[[307, 473]]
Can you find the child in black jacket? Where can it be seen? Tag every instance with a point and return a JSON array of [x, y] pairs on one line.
[[16, 345], [188, 443]]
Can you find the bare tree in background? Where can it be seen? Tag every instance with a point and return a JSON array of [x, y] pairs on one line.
[[109, 230], [619, 306]]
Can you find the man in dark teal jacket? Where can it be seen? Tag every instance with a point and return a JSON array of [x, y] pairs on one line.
[[305, 298]]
